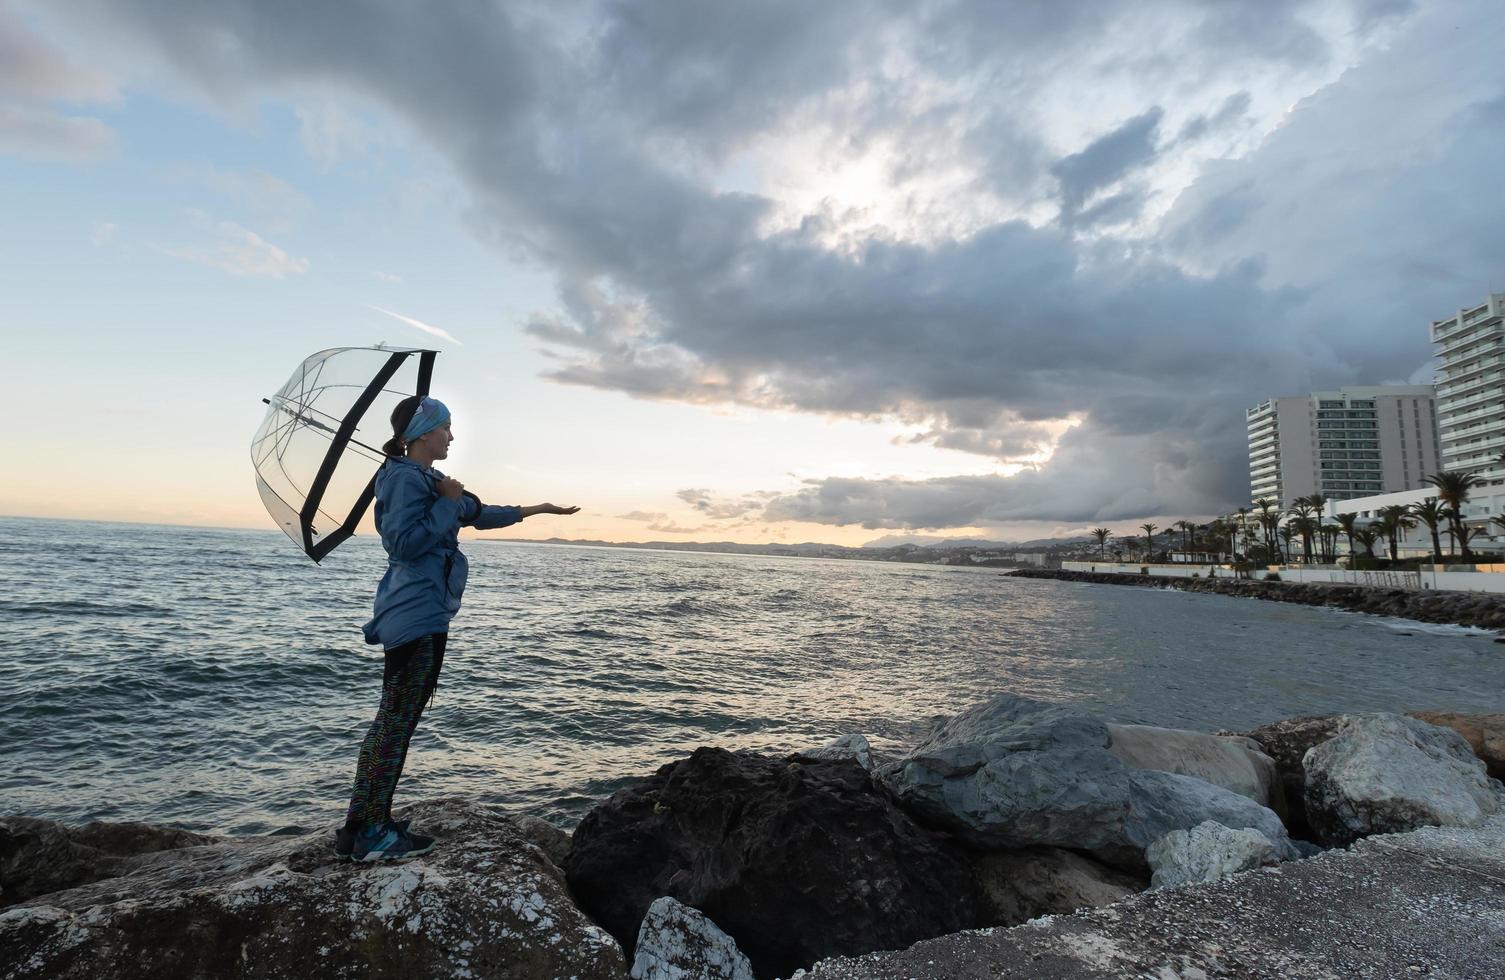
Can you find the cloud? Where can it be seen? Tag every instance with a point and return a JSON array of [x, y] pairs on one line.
[[643, 515], [417, 324], [669, 527], [241, 252], [718, 509], [272, 201], [913, 212], [48, 135], [331, 135], [1106, 160], [33, 70], [386, 276], [104, 233], [34, 74]]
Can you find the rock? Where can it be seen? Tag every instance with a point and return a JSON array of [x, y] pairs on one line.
[[844, 747], [677, 942], [1287, 742], [1207, 852], [1029, 882], [1485, 735], [1386, 773], [482, 904], [1164, 801], [796, 860], [549, 838], [1017, 773], [1232, 762], [42, 856]]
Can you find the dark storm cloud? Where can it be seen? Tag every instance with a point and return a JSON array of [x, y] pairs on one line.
[[1234, 109], [589, 137], [1107, 159]]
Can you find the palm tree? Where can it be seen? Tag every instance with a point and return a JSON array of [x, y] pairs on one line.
[[1468, 532], [1287, 532], [1302, 519], [1432, 513], [1367, 538], [1453, 490], [1149, 538], [1268, 518], [1318, 503], [1345, 521], [1187, 527], [1102, 534], [1329, 533], [1392, 521]]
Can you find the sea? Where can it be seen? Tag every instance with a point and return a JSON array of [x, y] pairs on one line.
[[217, 679]]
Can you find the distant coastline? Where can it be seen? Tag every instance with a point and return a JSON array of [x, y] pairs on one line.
[[974, 556]]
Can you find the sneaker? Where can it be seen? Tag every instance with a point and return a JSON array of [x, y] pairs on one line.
[[389, 843], [344, 840]]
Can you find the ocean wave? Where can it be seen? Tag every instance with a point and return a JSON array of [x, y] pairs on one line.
[[82, 607]]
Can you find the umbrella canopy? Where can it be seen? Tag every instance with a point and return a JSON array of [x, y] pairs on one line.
[[319, 447]]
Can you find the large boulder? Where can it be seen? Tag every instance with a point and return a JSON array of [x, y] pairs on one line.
[[1287, 742], [677, 942], [1017, 773], [1207, 852], [550, 839], [1485, 735], [1230, 761], [851, 746], [41, 856], [796, 860], [1029, 882], [484, 904], [1386, 773]]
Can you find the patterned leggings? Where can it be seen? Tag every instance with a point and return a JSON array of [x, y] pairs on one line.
[[408, 681]]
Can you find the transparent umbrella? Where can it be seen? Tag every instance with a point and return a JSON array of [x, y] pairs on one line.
[[318, 449]]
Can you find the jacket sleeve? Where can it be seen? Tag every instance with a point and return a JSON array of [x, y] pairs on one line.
[[486, 517], [415, 518]]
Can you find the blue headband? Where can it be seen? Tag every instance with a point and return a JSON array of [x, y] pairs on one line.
[[428, 416]]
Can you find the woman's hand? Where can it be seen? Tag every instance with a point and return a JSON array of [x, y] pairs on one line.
[[549, 509], [450, 488]]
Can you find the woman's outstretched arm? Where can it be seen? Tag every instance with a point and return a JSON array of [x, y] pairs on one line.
[[488, 517]]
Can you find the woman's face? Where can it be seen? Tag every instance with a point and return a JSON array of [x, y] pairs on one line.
[[436, 441]]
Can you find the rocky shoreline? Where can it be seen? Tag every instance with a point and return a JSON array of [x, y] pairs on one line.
[[735, 866], [1426, 606]]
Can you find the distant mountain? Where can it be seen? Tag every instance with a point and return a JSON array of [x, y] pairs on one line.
[[934, 541]]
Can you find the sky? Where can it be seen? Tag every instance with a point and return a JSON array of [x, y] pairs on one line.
[[772, 271]]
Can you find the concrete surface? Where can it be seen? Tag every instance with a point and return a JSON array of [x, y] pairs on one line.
[[1425, 904]]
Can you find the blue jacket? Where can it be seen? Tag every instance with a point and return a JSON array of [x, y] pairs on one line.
[[426, 572]]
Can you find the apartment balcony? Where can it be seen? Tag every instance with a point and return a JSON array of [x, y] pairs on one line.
[[1487, 334], [1448, 392], [1468, 407], [1474, 423], [1483, 447]]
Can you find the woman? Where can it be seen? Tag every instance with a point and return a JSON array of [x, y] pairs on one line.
[[419, 512]]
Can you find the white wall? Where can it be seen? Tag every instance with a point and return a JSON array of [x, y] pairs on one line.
[[1134, 568], [1487, 578]]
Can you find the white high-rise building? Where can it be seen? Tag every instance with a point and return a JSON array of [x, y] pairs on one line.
[[1352, 442], [1471, 389]]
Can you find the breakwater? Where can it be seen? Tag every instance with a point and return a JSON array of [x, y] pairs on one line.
[[1427, 606]]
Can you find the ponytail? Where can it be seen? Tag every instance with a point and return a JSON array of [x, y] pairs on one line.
[[401, 416]]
